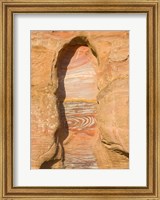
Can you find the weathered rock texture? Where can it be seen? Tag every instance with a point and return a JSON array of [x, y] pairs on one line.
[[65, 65]]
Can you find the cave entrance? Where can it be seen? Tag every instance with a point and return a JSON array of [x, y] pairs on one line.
[[76, 94]]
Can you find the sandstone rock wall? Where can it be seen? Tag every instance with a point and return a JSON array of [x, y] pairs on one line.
[[112, 53]]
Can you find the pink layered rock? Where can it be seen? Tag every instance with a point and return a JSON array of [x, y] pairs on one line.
[[77, 92]]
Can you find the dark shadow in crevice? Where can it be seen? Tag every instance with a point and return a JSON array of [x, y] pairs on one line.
[[113, 149], [63, 60], [124, 153], [49, 164]]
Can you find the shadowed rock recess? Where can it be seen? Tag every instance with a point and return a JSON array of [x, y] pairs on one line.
[[79, 100]]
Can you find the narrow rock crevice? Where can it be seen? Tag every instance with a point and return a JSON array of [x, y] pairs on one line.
[[76, 101]]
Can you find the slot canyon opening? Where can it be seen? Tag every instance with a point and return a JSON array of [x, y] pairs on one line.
[[74, 125], [76, 99]]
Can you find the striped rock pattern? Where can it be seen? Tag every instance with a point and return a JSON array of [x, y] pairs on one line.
[[79, 147]]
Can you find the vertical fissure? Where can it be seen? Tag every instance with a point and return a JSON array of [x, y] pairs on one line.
[[76, 94]]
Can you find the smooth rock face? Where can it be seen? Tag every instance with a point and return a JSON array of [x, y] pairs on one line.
[[80, 99]]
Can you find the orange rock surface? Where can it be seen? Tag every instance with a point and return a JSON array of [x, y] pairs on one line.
[[69, 68]]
